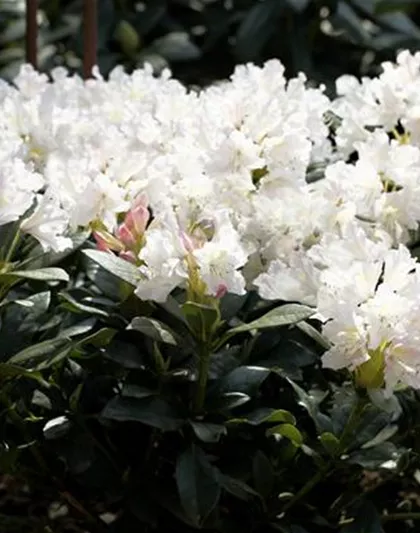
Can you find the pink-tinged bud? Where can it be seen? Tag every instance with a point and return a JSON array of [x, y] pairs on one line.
[[126, 236], [142, 200], [136, 220], [128, 256], [107, 242], [221, 290], [187, 242]]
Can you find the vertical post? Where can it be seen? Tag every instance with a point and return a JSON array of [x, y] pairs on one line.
[[31, 32], [90, 36]]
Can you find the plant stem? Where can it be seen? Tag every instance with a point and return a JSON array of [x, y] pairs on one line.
[[319, 476], [400, 516], [12, 247], [203, 374], [329, 467], [351, 423]]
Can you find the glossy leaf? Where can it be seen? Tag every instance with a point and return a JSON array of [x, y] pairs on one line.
[[116, 266], [154, 329], [154, 412], [284, 315], [198, 487]]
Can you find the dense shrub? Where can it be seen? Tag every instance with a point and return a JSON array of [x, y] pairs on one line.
[[202, 40], [209, 303]]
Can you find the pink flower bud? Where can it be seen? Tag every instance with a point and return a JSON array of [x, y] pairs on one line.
[[128, 256], [187, 242], [221, 290], [126, 236], [136, 220], [107, 242]]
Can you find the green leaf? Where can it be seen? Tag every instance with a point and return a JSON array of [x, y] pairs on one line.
[[76, 307], [154, 412], [268, 415], [314, 334], [203, 320], [259, 23], [231, 304], [127, 355], [284, 315], [237, 487], [154, 329], [41, 274], [401, 23], [384, 455], [228, 400], [137, 391], [39, 259], [263, 474], [198, 487], [298, 5], [115, 265], [127, 37], [8, 371], [38, 350], [330, 443], [99, 339], [366, 519], [288, 431], [245, 379], [311, 405], [345, 17], [384, 6], [56, 428], [207, 432]]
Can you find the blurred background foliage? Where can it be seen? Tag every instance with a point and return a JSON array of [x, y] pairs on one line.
[[202, 40]]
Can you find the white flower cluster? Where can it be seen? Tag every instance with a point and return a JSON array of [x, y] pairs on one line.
[[213, 191]]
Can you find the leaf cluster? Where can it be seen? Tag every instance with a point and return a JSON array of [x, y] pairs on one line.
[[99, 414], [202, 40]]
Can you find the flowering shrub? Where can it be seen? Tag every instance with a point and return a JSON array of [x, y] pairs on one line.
[[210, 301]]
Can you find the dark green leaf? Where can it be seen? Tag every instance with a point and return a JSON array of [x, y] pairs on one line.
[[136, 391], [346, 18], [298, 5], [258, 25], [208, 432], [366, 519], [154, 329], [202, 319], [384, 455], [263, 474], [237, 487], [56, 428], [13, 371], [269, 416], [116, 266], [154, 412], [38, 350], [41, 274], [198, 486], [245, 379], [284, 315], [77, 307], [176, 46], [100, 338], [401, 23], [314, 334], [228, 400], [322, 422], [125, 354]]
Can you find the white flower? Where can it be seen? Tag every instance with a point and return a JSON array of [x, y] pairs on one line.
[[48, 224], [18, 187]]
